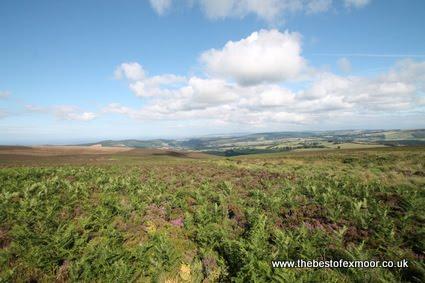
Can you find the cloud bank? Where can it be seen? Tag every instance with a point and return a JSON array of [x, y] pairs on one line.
[[247, 82]]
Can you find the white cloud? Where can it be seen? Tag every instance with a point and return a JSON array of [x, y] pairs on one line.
[[356, 3], [268, 10], [264, 56], [246, 83], [318, 6], [266, 96], [63, 112], [396, 90], [85, 116], [160, 6], [143, 85], [67, 112], [325, 83], [140, 89], [118, 109], [285, 117], [211, 91], [276, 96], [344, 65], [131, 71], [409, 71], [328, 96], [265, 9], [167, 79], [218, 8]]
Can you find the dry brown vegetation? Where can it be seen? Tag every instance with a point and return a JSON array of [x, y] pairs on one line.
[[84, 155], [60, 150]]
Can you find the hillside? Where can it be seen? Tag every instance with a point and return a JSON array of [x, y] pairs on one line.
[[281, 141]]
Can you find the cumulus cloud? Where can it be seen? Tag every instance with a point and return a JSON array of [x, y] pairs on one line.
[[63, 112], [327, 95], [275, 96], [131, 71], [268, 10], [143, 85], [264, 56], [250, 82], [160, 6], [396, 90], [211, 91]]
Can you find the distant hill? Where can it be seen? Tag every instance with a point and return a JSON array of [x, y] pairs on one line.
[[279, 141], [158, 143]]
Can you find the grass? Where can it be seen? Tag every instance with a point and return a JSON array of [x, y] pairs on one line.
[[168, 218]]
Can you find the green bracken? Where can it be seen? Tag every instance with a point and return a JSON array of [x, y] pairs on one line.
[[208, 220]]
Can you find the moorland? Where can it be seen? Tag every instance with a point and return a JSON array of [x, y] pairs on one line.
[[155, 215]]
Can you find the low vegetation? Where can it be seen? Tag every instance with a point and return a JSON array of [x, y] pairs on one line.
[[175, 218]]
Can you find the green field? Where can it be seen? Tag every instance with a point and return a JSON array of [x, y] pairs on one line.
[[152, 217]]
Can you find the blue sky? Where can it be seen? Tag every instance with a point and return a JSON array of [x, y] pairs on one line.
[[76, 71]]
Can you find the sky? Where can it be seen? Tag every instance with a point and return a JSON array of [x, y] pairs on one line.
[[87, 70]]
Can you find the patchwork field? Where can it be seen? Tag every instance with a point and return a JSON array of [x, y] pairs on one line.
[[141, 215]]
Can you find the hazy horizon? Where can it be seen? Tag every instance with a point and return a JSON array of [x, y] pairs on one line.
[[230, 134]]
